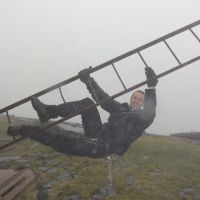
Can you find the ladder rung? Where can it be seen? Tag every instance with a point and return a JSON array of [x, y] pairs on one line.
[[143, 60], [195, 35], [170, 49], [61, 94], [118, 76]]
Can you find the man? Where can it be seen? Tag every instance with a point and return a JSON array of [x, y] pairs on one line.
[[125, 124], [137, 100]]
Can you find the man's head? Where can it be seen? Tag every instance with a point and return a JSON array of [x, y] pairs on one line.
[[137, 100]]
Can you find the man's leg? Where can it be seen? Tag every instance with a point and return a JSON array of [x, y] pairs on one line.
[[59, 139], [90, 118]]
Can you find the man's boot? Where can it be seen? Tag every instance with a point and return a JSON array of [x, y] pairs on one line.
[[46, 112], [41, 109], [23, 130]]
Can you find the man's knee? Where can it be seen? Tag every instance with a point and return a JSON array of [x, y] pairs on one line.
[[87, 102]]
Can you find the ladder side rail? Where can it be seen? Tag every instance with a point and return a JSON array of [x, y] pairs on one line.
[[9, 122], [142, 58], [12, 143], [120, 79], [61, 94], [8, 118], [42, 92], [98, 67], [172, 52], [104, 100], [195, 35]]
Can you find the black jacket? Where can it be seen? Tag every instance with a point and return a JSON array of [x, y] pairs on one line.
[[124, 126]]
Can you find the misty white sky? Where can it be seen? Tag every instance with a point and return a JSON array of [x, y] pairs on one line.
[[43, 42]]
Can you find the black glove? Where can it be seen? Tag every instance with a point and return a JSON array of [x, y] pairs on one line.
[[84, 74], [151, 77]]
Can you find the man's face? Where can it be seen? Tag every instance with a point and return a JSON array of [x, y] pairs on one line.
[[137, 101]]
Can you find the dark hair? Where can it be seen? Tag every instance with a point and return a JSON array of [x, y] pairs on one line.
[[140, 91]]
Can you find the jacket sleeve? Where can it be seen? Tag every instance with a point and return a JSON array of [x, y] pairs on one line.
[[111, 106], [148, 113]]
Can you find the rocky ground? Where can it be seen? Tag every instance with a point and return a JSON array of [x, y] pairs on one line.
[[155, 167]]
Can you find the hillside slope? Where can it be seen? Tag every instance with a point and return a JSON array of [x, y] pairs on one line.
[[155, 167]]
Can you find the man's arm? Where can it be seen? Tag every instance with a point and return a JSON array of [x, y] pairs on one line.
[[149, 111], [111, 105]]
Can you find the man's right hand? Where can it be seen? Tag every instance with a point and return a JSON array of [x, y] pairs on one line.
[[151, 77], [84, 74]]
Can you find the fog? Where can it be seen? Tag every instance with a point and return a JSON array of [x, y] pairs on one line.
[[44, 42]]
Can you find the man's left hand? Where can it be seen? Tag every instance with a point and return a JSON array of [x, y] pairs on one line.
[[151, 77]]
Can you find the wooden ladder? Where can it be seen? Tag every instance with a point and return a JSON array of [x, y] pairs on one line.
[[13, 182]]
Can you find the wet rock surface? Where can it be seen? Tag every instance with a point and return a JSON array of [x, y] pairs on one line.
[[190, 192], [155, 171], [130, 180], [64, 177], [43, 191], [191, 135], [10, 158], [73, 197]]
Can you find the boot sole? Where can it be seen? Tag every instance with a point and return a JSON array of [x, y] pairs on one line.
[[39, 108]]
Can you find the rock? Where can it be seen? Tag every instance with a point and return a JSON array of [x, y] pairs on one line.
[[9, 158], [197, 197], [22, 161], [53, 162], [155, 171], [34, 145], [103, 191], [186, 192], [74, 197], [107, 191], [64, 177], [130, 180], [96, 197], [42, 156], [43, 168], [146, 157], [53, 183], [27, 165], [43, 192], [52, 171], [3, 165], [191, 135], [183, 195]]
